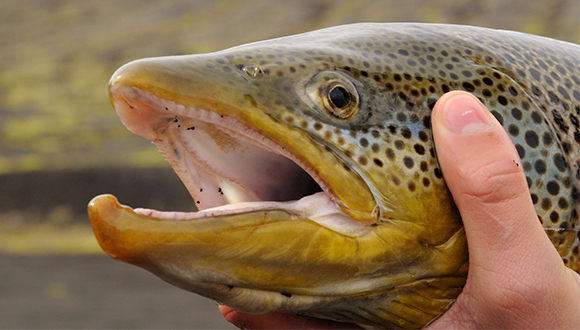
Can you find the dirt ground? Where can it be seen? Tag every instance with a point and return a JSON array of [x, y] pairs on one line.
[[95, 292]]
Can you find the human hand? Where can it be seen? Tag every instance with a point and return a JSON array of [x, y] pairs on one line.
[[516, 277]]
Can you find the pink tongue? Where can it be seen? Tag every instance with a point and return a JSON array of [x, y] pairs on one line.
[[264, 175]]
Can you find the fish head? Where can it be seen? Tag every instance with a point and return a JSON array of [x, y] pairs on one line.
[[311, 197]]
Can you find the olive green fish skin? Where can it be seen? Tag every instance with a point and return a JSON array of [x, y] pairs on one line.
[[531, 84]]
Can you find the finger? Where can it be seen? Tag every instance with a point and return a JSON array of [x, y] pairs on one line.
[[507, 244], [279, 321], [483, 172]]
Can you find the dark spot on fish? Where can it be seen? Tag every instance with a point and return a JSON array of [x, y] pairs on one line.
[[390, 154], [487, 81], [546, 204], [536, 117], [513, 91], [497, 116], [230, 287], [364, 142], [468, 87], [563, 203], [406, 132], [532, 139], [553, 188], [411, 186], [566, 145], [400, 145], [423, 166], [426, 182], [419, 149], [409, 163], [191, 128], [438, 173], [378, 162], [431, 103], [197, 202], [401, 117], [540, 166], [375, 147], [547, 138], [286, 294], [521, 151], [317, 126], [536, 91], [534, 198], [403, 52], [517, 113], [558, 120], [395, 180], [535, 74], [502, 100], [553, 97], [554, 217], [513, 130], [423, 136], [362, 160], [560, 162]]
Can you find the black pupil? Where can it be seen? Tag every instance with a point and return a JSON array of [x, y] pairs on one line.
[[339, 97]]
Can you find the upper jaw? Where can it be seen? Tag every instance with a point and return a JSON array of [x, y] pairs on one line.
[[159, 99]]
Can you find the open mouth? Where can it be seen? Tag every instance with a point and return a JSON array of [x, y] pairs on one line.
[[227, 167]]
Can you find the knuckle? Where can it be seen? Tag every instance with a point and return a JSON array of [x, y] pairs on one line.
[[494, 183]]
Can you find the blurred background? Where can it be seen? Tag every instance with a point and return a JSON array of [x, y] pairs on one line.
[[61, 143]]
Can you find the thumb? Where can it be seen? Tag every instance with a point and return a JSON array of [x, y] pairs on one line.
[[484, 174], [507, 244]]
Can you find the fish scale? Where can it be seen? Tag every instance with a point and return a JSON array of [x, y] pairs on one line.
[[383, 243]]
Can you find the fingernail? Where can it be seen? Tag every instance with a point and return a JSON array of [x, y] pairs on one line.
[[464, 115]]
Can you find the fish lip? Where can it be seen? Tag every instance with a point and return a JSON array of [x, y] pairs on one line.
[[167, 111]]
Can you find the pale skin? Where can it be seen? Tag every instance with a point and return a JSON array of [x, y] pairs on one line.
[[516, 278]]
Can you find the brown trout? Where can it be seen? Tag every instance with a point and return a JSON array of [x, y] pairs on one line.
[[311, 161]]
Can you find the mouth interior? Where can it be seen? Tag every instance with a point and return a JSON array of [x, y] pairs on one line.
[[230, 164], [222, 163]]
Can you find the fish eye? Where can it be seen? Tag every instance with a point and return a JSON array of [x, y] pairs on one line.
[[339, 102], [339, 97], [334, 94]]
